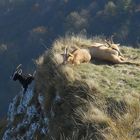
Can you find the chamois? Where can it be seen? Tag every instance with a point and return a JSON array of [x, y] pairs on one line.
[[109, 52], [78, 56], [24, 79]]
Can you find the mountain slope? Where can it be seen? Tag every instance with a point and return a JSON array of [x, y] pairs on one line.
[[96, 100]]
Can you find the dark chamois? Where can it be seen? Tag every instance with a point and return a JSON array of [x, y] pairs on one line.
[[24, 79]]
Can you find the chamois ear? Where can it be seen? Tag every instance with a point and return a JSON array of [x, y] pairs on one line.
[[108, 43], [118, 44], [69, 54]]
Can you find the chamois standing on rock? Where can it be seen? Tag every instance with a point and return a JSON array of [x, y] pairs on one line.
[[77, 56], [24, 79], [109, 52]]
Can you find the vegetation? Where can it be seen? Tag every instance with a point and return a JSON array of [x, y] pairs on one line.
[[27, 28], [98, 100]]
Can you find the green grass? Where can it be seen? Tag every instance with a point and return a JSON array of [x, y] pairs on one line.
[[112, 80]]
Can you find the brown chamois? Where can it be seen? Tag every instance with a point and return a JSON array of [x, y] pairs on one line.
[[109, 52], [78, 56]]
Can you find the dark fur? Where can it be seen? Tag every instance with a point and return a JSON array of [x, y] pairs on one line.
[[24, 79]]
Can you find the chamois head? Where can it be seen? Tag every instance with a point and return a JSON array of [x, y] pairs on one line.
[[17, 73], [67, 57], [70, 57], [111, 44]]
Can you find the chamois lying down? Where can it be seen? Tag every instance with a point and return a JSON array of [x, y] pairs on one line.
[[78, 56], [109, 52]]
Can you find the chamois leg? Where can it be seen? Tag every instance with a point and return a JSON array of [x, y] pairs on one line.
[[122, 58], [130, 63], [118, 60], [76, 62]]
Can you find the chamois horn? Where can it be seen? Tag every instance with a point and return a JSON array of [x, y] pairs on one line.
[[19, 66], [111, 39], [18, 69], [108, 43], [65, 55], [34, 73]]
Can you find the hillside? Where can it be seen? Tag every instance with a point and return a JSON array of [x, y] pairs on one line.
[[96, 100], [28, 27]]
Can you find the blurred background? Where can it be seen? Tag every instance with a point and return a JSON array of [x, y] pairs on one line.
[[28, 27]]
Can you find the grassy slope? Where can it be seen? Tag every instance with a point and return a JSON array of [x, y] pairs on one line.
[[108, 95], [112, 80], [99, 100]]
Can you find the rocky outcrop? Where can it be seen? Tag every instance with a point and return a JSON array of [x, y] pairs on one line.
[[25, 117]]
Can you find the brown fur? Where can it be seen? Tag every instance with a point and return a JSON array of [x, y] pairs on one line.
[[79, 56], [111, 54], [115, 47]]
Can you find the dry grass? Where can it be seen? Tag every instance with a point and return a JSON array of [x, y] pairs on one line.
[[100, 100], [125, 127]]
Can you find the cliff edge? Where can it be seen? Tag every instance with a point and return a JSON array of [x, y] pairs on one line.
[[95, 100]]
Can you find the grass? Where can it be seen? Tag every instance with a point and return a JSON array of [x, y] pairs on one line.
[[99, 100], [111, 80]]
